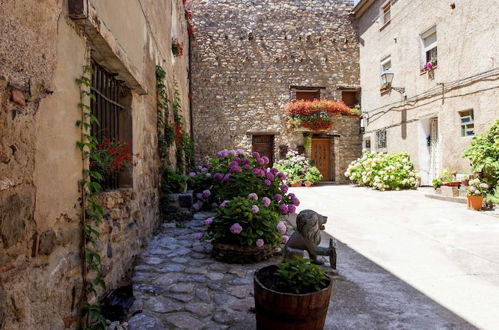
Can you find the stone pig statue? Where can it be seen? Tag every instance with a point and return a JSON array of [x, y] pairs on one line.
[[307, 237]]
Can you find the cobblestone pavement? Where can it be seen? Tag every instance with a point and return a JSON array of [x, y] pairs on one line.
[[178, 285]]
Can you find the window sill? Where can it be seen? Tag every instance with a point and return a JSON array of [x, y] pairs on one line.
[[423, 71], [384, 91], [384, 25]]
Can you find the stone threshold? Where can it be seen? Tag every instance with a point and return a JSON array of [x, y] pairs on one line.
[[462, 200]]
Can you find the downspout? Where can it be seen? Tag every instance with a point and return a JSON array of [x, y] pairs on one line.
[[190, 88]]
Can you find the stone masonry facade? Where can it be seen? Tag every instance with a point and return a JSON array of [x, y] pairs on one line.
[[250, 58], [44, 47]]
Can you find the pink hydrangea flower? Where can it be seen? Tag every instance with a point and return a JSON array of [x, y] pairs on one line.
[[291, 209], [240, 152], [295, 201], [227, 177], [484, 185], [270, 176], [206, 193], [274, 171], [284, 188], [232, 152], [224, 204], [281, 228], [260, 242], [192, 174], [266, 201], [199, 195], [235, 169], [255, 209], [285, 239], [265, 159], [245, 160], [260, 161], [198, 236], [218, 176], [236, 228], [267, 182], [222, 153], [208, 221], [253, 196], [281, 176], [255, 154], [247, 166], [278, 197], [283, 208], [197, 206]]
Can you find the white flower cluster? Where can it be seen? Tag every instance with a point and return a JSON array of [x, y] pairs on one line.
[[383, 171]]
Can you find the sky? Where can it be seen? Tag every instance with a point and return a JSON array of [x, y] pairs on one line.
[[356, 1]]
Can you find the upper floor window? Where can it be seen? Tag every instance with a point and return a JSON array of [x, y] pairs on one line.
[[385, 67], [308, 95], [467, 123], [429, 49], [386, 13]]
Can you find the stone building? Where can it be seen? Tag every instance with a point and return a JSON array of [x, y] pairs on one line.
[[442, 67], [250, 58], [43, 48]]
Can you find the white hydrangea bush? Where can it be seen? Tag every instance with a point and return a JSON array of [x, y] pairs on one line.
[[383, 171]]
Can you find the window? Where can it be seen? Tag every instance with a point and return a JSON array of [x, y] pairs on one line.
[[114, 117], [367, 144], [386, 13], [467, 123], [381, 138], [429, 47], [350, 98], [308, 95]]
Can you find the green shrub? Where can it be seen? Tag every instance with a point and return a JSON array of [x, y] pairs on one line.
[[172, 182], [313, 175], [483, 154], [299, 276]]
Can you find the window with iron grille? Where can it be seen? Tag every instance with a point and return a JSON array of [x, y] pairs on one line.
[[113, 116], [381, 138]]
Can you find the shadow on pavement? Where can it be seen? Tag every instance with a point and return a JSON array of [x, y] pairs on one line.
[[367, 296]]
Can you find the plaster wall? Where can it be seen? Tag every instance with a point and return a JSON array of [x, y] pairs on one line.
[[468, 43]]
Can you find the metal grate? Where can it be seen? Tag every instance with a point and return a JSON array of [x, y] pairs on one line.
[[106, 108]]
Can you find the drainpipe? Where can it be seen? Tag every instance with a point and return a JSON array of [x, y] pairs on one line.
[[190, 87]]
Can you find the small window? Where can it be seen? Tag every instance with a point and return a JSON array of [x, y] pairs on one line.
[[381, 138], [467, 123], [349, 98], [308, 95], [386, 13], [367, 144], [429, 48]]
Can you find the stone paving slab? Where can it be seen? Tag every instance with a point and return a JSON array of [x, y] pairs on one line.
[[178, 285]]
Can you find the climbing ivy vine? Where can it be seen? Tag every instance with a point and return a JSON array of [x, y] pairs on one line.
[[92, 209]]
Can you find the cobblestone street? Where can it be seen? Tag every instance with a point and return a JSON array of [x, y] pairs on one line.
[[178, 285]]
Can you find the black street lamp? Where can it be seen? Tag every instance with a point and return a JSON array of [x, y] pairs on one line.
[[387, 78]]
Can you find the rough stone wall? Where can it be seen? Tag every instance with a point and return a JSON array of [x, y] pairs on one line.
[[42, 52], [247, 54], [346, 146]]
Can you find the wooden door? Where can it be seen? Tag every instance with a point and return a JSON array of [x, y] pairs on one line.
[[321, 156], [264, 145]]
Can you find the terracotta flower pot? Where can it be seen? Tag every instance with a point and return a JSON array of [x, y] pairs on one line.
[[475, 202], [278, 310], [309, 183], [297, 184]]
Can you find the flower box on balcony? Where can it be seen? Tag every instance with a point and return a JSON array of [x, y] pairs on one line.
[[316, 115]]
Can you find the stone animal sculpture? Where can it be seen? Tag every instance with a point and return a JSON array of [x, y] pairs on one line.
[[307, 237]]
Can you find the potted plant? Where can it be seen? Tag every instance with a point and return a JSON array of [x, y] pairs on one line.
[[292, 295], [312, 176], [476, 192]]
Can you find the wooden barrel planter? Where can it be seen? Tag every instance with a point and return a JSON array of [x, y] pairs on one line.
[[276, 310], [235, 254]]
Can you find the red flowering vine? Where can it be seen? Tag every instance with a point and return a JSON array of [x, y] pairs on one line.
[[112, 155], [177, 47]]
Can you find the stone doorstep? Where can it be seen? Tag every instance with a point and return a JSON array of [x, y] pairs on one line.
[[462, 200]]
